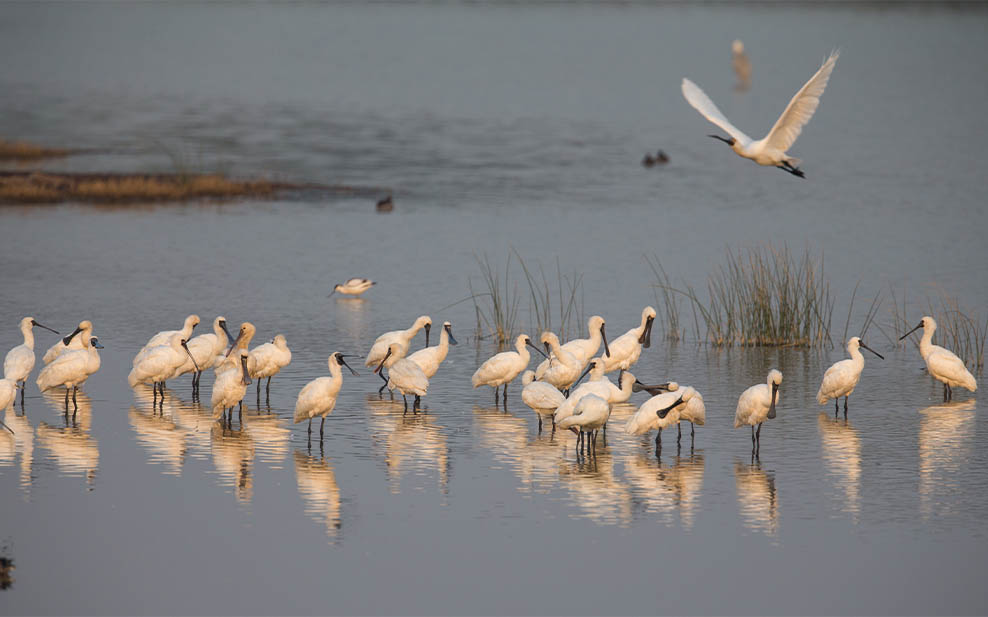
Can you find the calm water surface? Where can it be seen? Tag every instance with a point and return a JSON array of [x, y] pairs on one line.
[[497, 128]]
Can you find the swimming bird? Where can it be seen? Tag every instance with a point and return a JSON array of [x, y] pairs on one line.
[[163, 337], [564, 368], [404, 375], [757, 404], [72, 368], [204, 350], [627, 348], [771, 149], [318, 397], [742, 66], [659, 412], [229, 389], [589, 416], [161, 363], [582, 348], [70, 342], [19, 361], [542, 397], [267, 360], [430, 358], [842, 377], [382, 343], [942, 364], [353, 287], [501, 368]]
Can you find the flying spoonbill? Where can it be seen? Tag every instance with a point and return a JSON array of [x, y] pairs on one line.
[[267, 360], [542, 397], [353, 287], [757, 404], [72, 368], [318, 397], [163, 337], [941, 363], [841, 378], [19, 362], [627, 348], [430, 358], [381, 345], [229, 389], [771, 149], [501, 368], [582, 348], [404, 375]]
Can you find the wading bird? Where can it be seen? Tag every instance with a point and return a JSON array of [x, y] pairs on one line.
[[72, 368], [542, 397], [70, 342], [941, 363], [500, 369], [564, 367], [8, 392], [229, 389], [318, 397], [771, 149], [842, 377], [757, 404], [204, 350], [163, 337], [627, 348], [430, 358], [381, 345], [353, 287], [161, 363], [267, 360], [659, 412], [404, 375], [582, 348], [19, 362], [589, 416]]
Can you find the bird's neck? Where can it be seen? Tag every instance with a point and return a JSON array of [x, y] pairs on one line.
[[28, 333]]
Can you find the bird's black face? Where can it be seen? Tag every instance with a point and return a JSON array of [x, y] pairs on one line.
[[35, 323], [449, 332], [342, 362], [665, 412], [728, 141], [68, 339], [94, 342], [646, 338]]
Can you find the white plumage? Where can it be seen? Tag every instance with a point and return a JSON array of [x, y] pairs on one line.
[[582, 348], [318, 397], [599, 385], [74, 342], [158, 364], [590, 414], [430, 358], [842, 377], [542, 397], [564, 367], [353, 287], [268, 359], [771, 149], [757, 404], [403, 374], [942, 364], [627, 348], [230, 387], [72, 368], [230, 358], [19, 361], [381, 344], [500, 369], [163, 337], [662, 411]]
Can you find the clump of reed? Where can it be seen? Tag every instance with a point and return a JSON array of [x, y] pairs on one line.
[[760, 297], [555, 305], [22, 150], [109, 188], [667, 298], [959, 330]]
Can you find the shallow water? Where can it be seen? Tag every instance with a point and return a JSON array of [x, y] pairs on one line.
[[497, 127]]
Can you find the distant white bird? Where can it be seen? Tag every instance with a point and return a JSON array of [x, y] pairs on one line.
[[661, 411], [72, 368], [204, 350], [842, 377], [627, 348], [267, 360], [941, 363], [163, 337], [70, 342], [771, 149], [318, 397], [564, 367], [19, 362], [757, 404], [8, 392], [742, 66], [500, 369], [229, 389], [381, 344], [542, 397], [589, 416], [582, 348], [430, 358], [404, 375], [160, 363], [353, 287]]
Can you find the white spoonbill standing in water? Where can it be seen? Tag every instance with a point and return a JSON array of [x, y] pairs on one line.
[[841, 378], [757, 404], [942, 364], [771, 149], [318, 397], [19, 361]]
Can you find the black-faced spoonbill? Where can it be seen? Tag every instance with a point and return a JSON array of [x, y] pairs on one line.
[[771, 149], [267, 360], [380, 347], [941, 363], [204, 350], [589, 416], [599, 385], [70, 342], [564, 368], [542, 397], [627, 348], [660, 412], [757, 404], [72, 368], [404, 375], [582, 348], [318, 397], [842, 377], [353, 287], [500, 369], [160, 363], [229, 389], [430, 358], [19, 362], [163, 337]]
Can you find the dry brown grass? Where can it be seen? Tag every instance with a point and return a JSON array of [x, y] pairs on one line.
[[21, 150], [23, 188]]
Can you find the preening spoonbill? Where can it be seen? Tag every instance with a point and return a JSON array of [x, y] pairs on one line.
[[589, 416], [404, 375], [380, 347], [430, 358], [353, 287], [19, 362], [659, 412], [597, 384], [542, 397], [267, 360], [771, 149], [841, 378], [71, 341], [163, 337], [564, 369], [941, 363], [72, 368], [582, 348], [318, 397], [161, 363], [627, 348], [229, 389], [742, 66], [501, 368], [204, 349], [8, 392], [757, 404]]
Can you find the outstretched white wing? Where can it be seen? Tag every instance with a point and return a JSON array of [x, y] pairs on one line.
[[702, 103], [801, 108]]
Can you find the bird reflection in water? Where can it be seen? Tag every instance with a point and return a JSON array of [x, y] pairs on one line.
[[233, 456], [72, 446], [842, 459], [20, 443], [946, 444], [351, 316], [318, 488], [595, 489], [757, 497], [533, 459], [413, 443], [664, 489]]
